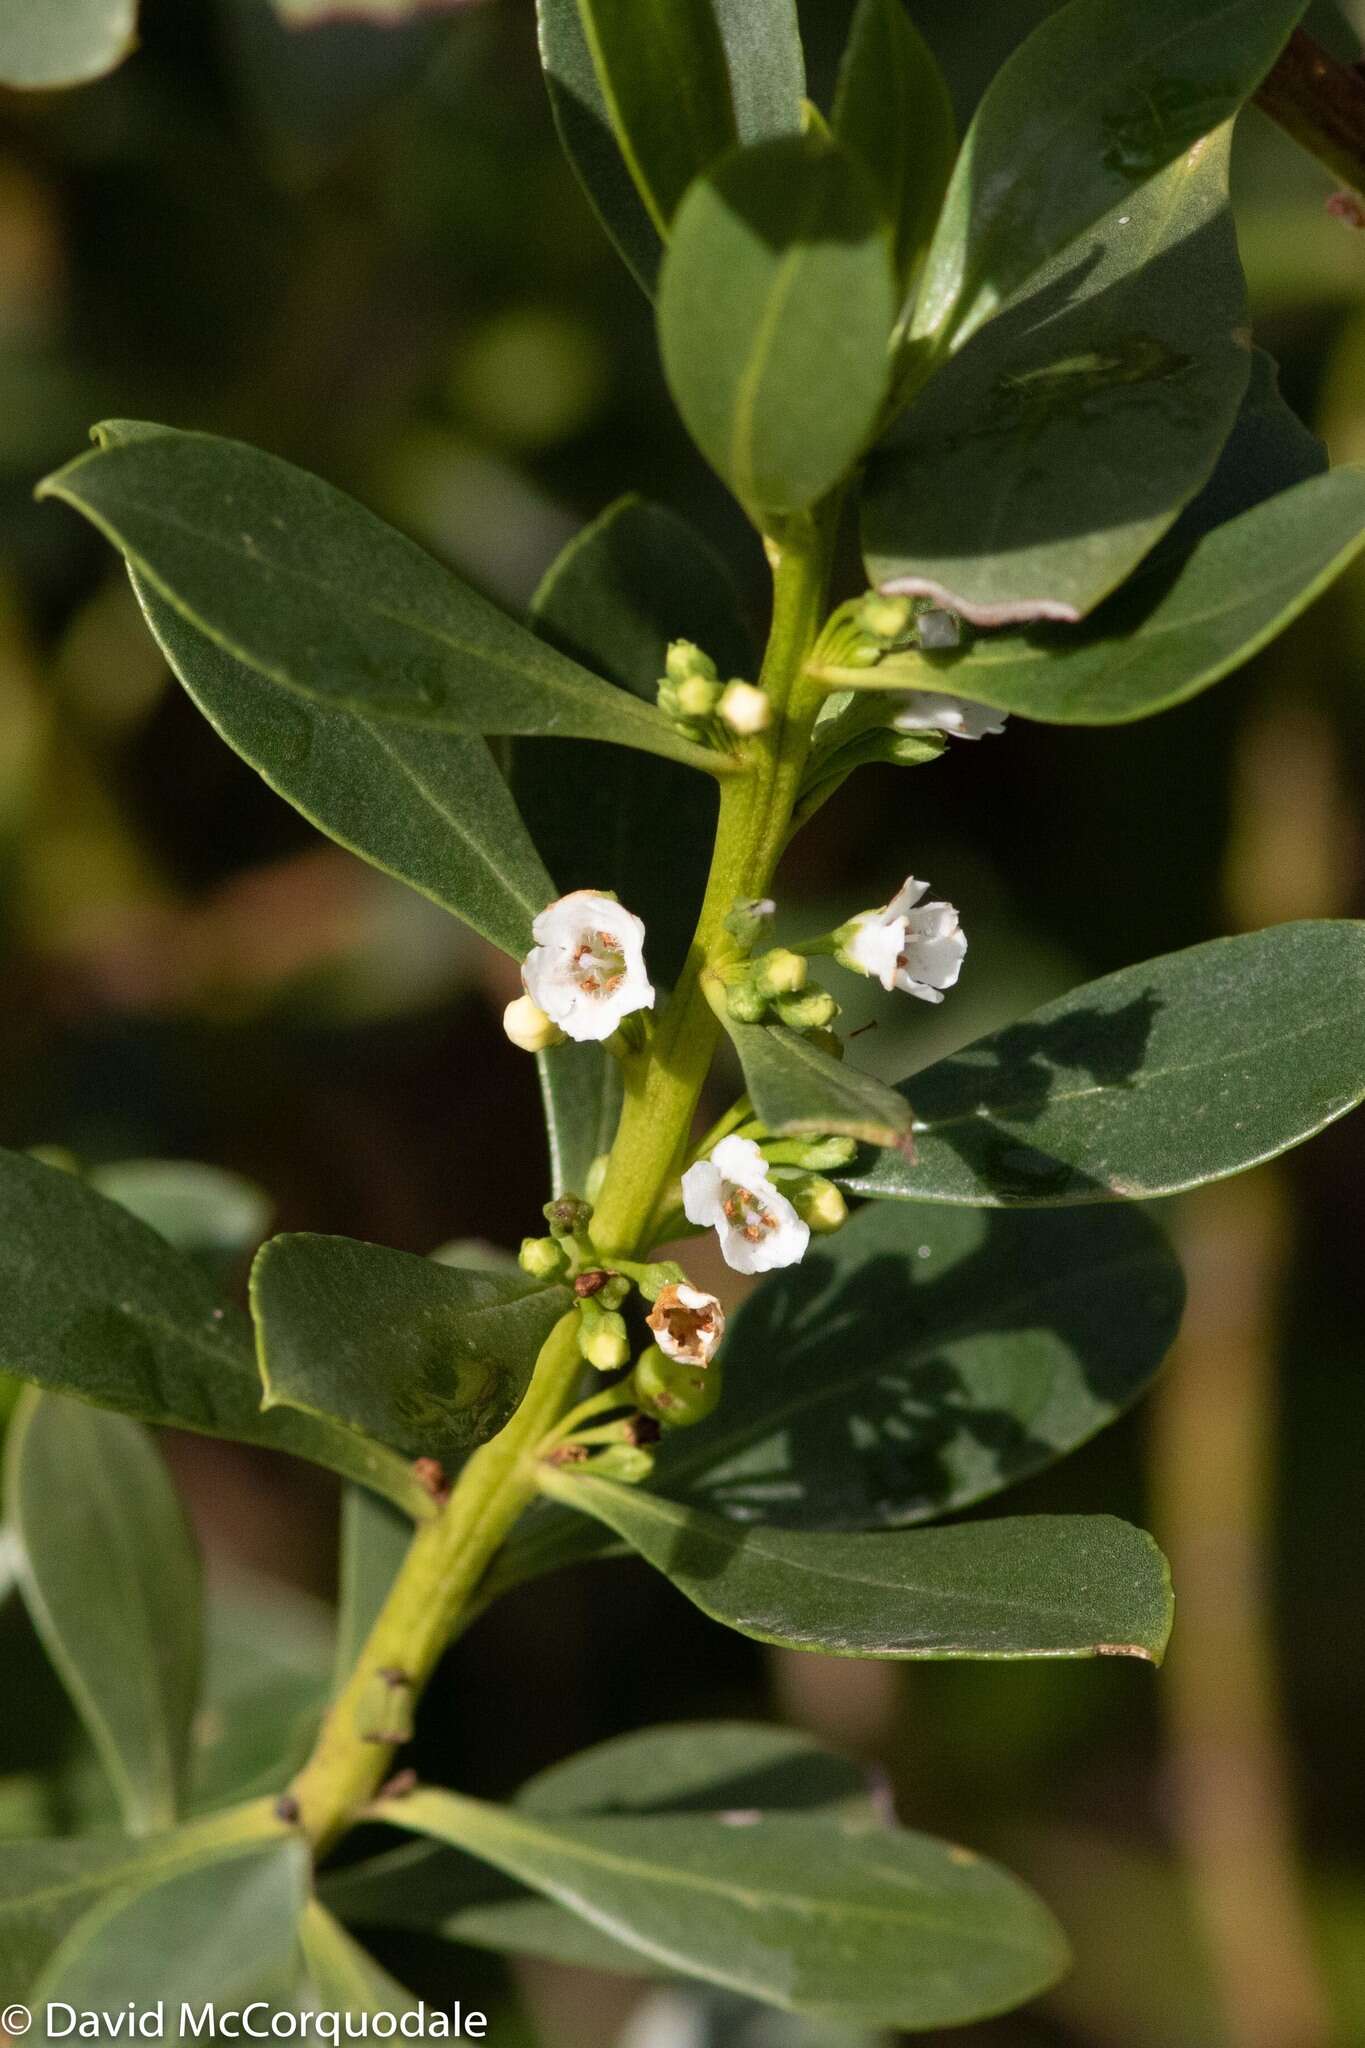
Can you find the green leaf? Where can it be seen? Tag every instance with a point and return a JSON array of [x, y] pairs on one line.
[[1182, 1070], [427, 1358], [1101, 98], [383, 13], [775, 308], [634, 580], [64, 42], [47, 1886], [300, 582], [1063, 442], [892, 108], [94, 1303], [767, 86], [797, 1088], [690, 1767], [848, 1922], [661, 68], [915, 1364], [269, 1654], [374, 1542], [580, 1090], [344, 1976], [216, 1216], [1176, 627], [428, 807], [110, 1575], [220, 1935], [1024, 1586]]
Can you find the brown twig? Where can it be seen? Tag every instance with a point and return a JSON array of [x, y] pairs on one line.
[[1321, 104]]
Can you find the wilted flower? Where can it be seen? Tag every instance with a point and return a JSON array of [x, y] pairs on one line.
[[687, 1324], [730, 1192], [933, 711], [587, 969], [918, 950]]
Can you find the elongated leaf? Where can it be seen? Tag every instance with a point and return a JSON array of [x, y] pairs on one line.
[[767, 85], [429, 1359], [64, 42], [1102, 97], [916, 1363], [269, 1653], [386, 13], [1182, 1070], [775, 307], [580, 1090], [634, 580], [1036, 469], [428, 807], [215, 1215], [299, 581], [691, 1767], [662, 72], [893, 110], [94, 1303], [344, 1976], [1026, 1586], [1175, 628], [795, 1088], [46, 1886], [111, 1580], [374, 1542], [847, 1923], [221, 1935]]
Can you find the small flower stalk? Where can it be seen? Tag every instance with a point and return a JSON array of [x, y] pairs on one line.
[[907, 944], [758, 1228], [586, 972]]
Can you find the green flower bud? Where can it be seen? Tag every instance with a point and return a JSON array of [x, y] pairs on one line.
[[818, 1203], [747, 923], [675, 1393], [698, 697], [602, 1339], [544, 1258], [685, 660], [614, 1293], [811, 1011], [653, 1279], [780, 973], [567, 1215], [885, 618], [745, 1003], [628, 1464]]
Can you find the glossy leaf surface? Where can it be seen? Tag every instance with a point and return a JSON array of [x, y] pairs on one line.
[[892, 109], [665, 83], [110, 1574], [580, 1092], [1178, 1071], [797, 1088]]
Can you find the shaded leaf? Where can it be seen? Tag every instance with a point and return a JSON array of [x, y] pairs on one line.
[[1099, 99], [1181, 1070], [304, 13], [580, 1091], [428, 807], [428, 1358], [1024, 1586], [892, 108], [665, 83], [846, 1922], [221, 1935], [110, 1574], [215, 1215], [269, 1653], [1036, 469], [775, 307], [94, 1303], [344, 1976], [46, 43], [374, 1542], [796, 1088], [299, 581]]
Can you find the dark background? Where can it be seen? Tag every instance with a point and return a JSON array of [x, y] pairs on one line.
[[362, 249]]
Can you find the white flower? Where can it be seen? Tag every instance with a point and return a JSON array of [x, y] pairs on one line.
[[758, 1228], [746, 709], [931, 711], [687, 1324], [918, 950], [587, 969]]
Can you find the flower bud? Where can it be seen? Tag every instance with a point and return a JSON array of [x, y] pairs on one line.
[[780, 973], [614, 1293], [527, 1025], [674, 1392], [602, 1339], [685, 660], [628, 1464], [885, 618], [817, 1202], [745, 1003], [544, 1258], [567, 1216], [698, 697], [746, 709], [747, 923], [811, 1011]]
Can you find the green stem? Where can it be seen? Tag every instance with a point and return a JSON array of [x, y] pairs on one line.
[[450, 1553]]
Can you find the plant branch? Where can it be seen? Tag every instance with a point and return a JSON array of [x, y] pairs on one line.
[[1321, 104]]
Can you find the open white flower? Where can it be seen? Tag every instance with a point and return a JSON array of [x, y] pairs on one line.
[[919, 949], [687, 1324], [587, 969], [932, 711], [730, 1192]]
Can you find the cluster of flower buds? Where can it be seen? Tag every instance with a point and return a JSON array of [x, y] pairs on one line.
[[864, 633], [693, 697], [777, 984]]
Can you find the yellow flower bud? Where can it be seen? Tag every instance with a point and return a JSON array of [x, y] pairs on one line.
[[527, 1025]]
